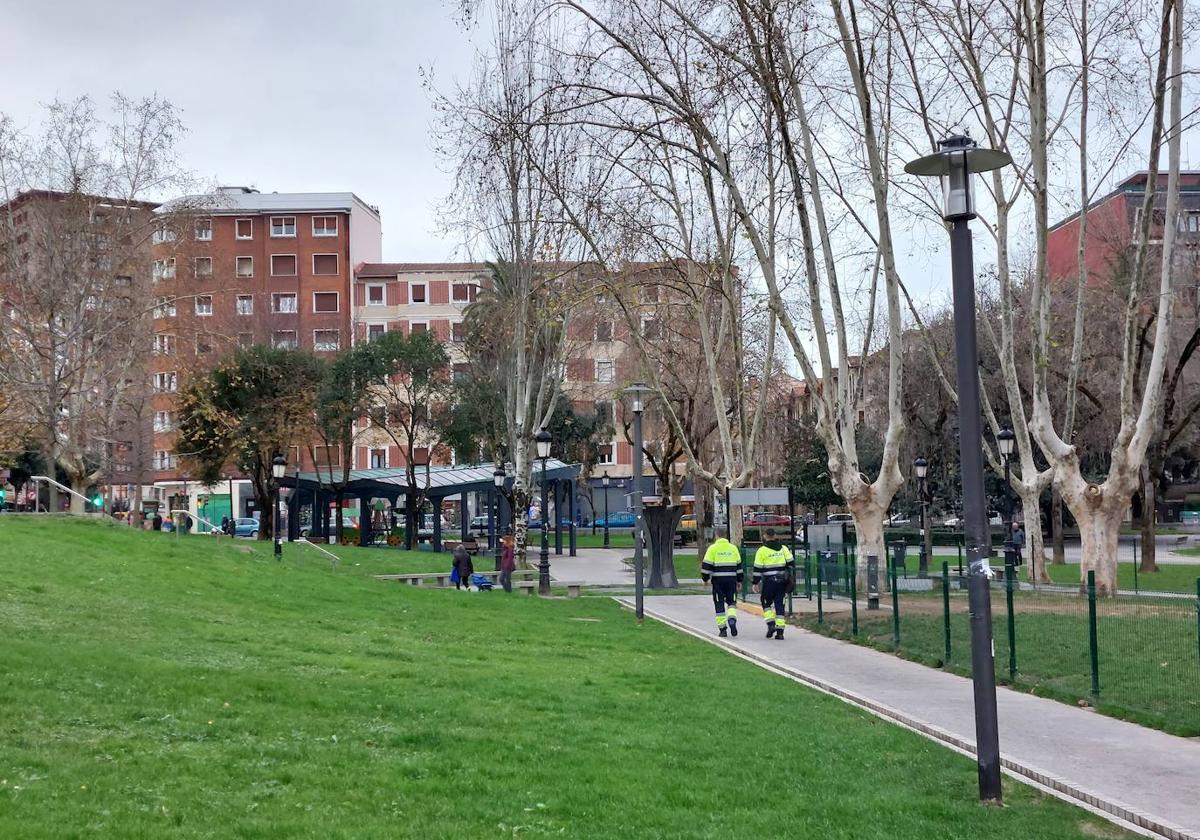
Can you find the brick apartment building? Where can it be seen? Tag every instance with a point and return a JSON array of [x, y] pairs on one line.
[[244, 267]]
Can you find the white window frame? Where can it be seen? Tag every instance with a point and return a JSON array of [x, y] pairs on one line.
[[383, 297], [295, 261], [164, 344], [462, 325], [196, 266], [371, 451], [611, 330], [162, 233], [200, 314], [294, 344], [166, 382], [413, 285], [237, 224], [464, 284], [319, 348], [164, 459], [335, 257], [163, 269], [237, 261], [413, 324], [240, 300], [612, 454], [654, 319], [284, 226], [382, 330], [164, 307], [203, 234], [336, 296], [325, 229], [278, 296], [612, 370]]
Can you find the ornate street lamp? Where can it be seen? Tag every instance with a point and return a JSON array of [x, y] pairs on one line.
[[278, 469], [543, 440], [604, 483], [498, 480], [921, 469], [637, 392]]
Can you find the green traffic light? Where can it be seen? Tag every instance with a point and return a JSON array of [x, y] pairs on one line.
[[98, 501]]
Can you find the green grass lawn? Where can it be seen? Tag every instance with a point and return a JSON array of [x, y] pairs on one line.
[[196, 688], [1168, 578], [1189, 552]]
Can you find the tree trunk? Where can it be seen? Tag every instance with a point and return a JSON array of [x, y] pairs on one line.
[[660, 524], [339, 517], [1149, 479], [76, 503], [1099, 530], [868, 526], [1056, 528], [520, 525], [410, 520], [1031, 514], [703, 515]]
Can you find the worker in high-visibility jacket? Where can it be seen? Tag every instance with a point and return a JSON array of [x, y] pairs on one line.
[[773, 566], [722, 567]]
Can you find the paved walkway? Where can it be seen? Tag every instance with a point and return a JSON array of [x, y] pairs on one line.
[[1143, 776]]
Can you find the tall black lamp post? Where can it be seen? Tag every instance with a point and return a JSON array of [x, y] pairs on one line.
[[543, 452], [1005, 441], [921, 468], [604, 483], [958, 158], [498, 480], [278, 468], [637, 392]]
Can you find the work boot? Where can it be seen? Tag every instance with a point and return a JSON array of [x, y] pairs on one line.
[[770, 630], [722, 632], [779, 633], [733, 626]]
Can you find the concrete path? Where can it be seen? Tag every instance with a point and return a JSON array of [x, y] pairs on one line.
[[595, 566], [1141, 776]]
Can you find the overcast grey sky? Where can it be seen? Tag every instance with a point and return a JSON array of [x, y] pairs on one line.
[[285, 96]]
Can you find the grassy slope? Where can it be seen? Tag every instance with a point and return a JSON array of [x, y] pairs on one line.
[[160, 688]]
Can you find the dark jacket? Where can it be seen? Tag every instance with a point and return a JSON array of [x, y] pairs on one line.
[[508, 557], [462, 562]]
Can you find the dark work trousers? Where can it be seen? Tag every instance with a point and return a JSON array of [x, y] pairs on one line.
[[773, 590], [724, 592], [506, 581]]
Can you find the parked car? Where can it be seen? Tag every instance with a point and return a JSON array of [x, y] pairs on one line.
[[245, 527], [761, 518], [898, 519], [479, 525], [622, 519], [839, 517]]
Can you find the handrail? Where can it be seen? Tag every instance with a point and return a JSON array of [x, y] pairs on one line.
[[333, 557], [64, 488], [216, 529]]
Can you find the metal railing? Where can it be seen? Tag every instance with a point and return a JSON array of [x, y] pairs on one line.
[[216, 529], [333, 558], [37, 495]]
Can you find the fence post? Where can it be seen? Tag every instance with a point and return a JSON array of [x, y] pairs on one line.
[[807, 574], [820, 607], [745, 575], [854, 599], [1010, 579], [1092, 641], [895, 609], [1135, 565], [1198, 616], [946, 609], [959, 546]]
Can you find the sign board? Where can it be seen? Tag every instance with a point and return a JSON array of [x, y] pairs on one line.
[[829, 535], [758, 496]]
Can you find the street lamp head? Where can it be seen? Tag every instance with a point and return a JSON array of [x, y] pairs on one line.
[[638, 392], [543, 439], [1005, 440], [278, 466], [921, 468], [498, 476], [958, 158], [605, 479]]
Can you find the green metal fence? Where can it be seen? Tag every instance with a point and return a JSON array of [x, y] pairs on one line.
[[1134, 656]]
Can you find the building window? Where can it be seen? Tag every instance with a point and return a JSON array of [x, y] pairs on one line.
[[203, 266], [203, 345], [324, 225], [378, 459], [375, 294], [283, 302], [245, 339], [243, 229], [604, 370], [650, 294], [245, 304], [283, 265], [604, 410], [460, 370], [164, 344], [604, 330], [416, 292], [1189, 221], [283, 226], [164, 307], [375, 331], [204, 230], [652, 329], [123, 281], [164, 460], [327, 456], [164, 383], [325, 264], [325, 301], [162, 233], [327, 340], [604, 454], [283, 339], [245, 266], [203, 304], [458, 331], [418, 327], [464, 292], [163, 269]]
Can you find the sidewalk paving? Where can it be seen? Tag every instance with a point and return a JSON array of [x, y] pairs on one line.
[[1143, 776]]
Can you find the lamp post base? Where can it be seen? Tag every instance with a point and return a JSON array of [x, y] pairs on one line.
[[544, 572]]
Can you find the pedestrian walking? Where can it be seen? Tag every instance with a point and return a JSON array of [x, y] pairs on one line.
[[508, 561], [1018, 541], [722, 568], [773, 567], [464, 567]]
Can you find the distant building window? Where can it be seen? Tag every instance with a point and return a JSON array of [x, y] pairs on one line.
[[325, 264], [1189, 221], [375, 331], [164, 344], [162, 233], [164, 307], [327, 340], [325, 301], [416, 292], [203, 345], [652, 329], [245, 304], [604, 330], [604, 454], [243, 229], [164, 421], [164, 383], [283, 302], [325, 225], [375, 294], [418, 327], [283, 265], [464, 292], [203, 304], [203, 266], [458, 331], [283, 226], [164, 460], [650, 294], [283, 339], [163, 269], [204, 230], [378, 459], [123, 280], [604, 370], [245, 266], [460, 371]]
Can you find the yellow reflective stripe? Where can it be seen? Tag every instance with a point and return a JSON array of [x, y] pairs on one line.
[[780, 621], [730, 612], [769, 615]]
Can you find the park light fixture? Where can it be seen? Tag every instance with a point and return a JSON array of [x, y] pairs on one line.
[[543, 439], [959, 158], [921, 468], [278, 466], [605, 479], [637, 392], [278, 469], [1005, 440], [498, 477]]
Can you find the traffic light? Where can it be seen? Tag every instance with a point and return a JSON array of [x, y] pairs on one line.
[[2, 494], [98, 501]]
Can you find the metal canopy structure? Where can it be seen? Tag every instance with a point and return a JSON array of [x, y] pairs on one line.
[[443, 481]]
